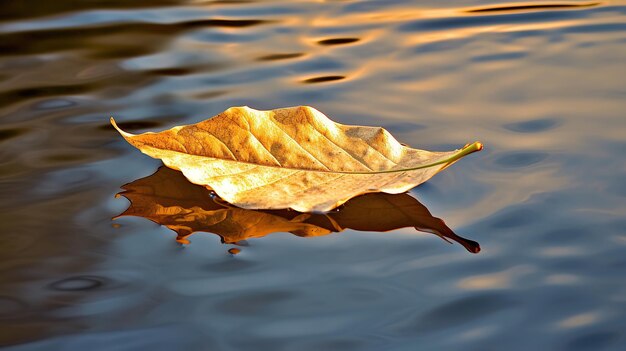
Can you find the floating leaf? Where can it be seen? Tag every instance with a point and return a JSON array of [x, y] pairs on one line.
[[291, 158], [167, 198]]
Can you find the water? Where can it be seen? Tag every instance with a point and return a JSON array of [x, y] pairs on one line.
[[541, 84]]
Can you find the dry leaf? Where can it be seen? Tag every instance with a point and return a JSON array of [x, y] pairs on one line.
[[167, 198], [291, 158]]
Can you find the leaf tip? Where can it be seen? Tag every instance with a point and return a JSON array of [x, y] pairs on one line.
[[114, 124]]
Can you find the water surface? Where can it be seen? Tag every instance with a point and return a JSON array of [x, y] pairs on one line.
[[541, 84]]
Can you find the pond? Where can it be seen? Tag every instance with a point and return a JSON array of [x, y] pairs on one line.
[[541, 84]]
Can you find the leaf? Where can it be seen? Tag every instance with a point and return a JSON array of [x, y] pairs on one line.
[[291, 157], [167, 198]]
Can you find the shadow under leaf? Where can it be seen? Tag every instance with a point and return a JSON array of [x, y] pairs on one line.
[[168, 198]]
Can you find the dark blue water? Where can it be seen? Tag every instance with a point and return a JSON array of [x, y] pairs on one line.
[[541, 84]]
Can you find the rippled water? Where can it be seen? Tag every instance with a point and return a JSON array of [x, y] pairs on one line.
[[541, 84]]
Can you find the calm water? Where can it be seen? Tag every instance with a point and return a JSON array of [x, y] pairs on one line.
[[543, 87]]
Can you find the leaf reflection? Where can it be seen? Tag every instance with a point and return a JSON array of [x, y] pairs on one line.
[[168, 198]]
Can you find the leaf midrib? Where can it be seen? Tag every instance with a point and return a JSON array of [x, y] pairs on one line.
[[476, 146]]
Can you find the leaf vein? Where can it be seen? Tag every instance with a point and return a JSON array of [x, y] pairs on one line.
[[319, 184], [298, 144], [337, 146], [233, 174], [266, 149], [223, 143], [344, 150], [270, 183]]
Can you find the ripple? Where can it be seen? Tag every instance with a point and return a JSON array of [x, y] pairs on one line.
[[146, 37], [532, 126], [12, 96], [531, 7], [277, 57], [11, 307], [48, 158], [486, 19], [250, 304], [16, 10], [334, 344], [458, 312], [122, 50], [579, 320], [229, 266], [520, 159], [515, 218], [507, 56], [323, 79], [52, 104], [337, 41], [616, 187], [593, 341], [10, 133], [514, 72], [561, 235], [172, 71], [596, 28], [205, 95], [79, 283]]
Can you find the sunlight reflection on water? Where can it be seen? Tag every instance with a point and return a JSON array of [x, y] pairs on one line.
[[541, 86]]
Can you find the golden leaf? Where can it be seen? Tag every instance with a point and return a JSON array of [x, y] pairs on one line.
[[167, 198], [291, 157]]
